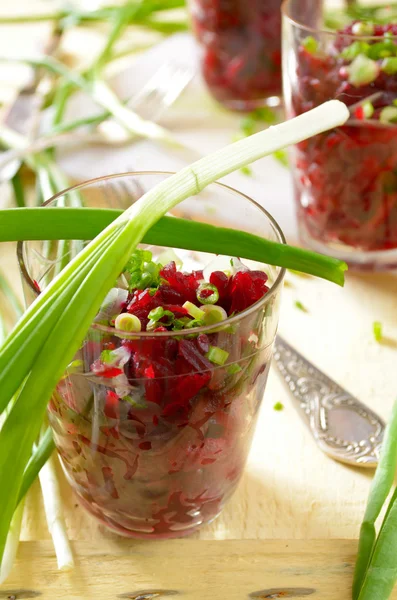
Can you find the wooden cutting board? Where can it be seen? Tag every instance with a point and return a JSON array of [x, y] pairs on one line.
[[189, 569]]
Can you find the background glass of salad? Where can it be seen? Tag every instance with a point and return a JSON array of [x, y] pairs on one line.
[[241, 50], [154, 428], [346, 179]]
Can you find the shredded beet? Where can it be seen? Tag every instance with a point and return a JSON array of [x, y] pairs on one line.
[[346, 179], [151, 446], [241, 44]]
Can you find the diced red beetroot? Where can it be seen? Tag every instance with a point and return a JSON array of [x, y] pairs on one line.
[[185, 284], [111, 409], [247, 288], [223, 284]]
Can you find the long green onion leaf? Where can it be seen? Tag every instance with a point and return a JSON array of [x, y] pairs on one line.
[[102, 95], [40, 455], [84, 224], [62, 314], [380, 488]]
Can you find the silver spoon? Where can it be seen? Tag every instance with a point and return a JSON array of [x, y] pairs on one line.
[[343, 427]]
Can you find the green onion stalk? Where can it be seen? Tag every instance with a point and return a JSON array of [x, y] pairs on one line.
[[62, 223], [376, 566], [75, 16], [103, 96], [46, 338], [41, 463]]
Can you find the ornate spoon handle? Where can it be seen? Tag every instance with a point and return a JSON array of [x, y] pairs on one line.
[[342, 426]]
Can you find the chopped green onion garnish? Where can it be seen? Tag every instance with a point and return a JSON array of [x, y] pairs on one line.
[[181, 323], [127, 322], [194, 311], [248, 125], [301, 306], [278, 406], [282, 157], [213, 314], [388, 114], [363, 71], [354, 50], [368, 110], [217, 355], [194, 323], [382, 49], [389, 65], [378, 330], [310, 44], [156, 313], [207, 293], [233, 369], [246, 171], [106, 357]]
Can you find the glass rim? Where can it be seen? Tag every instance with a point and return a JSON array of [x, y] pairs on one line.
[[274, 288], [322, 30]]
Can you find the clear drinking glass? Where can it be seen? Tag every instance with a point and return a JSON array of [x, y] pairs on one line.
[[241, 50], [345, 179], [156, 450]]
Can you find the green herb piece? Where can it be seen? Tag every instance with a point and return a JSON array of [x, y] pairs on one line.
[[248, 125], [310, 44], [207, 293], [181, 323], [389, 65], [301, 306], [86, 223], [193, 310], [217, 355], [363, 71], [144, 273], [194, 323], [246, 171], [234, 369], [278, 406], [375, 570], [161, 317], [388, 114], [382, 49], [265, 114], [377, 330], [282, 157], [354, 50]]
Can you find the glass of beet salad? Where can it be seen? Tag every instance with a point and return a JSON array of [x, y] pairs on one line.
[[345, 179], [241, 50], [153, 420]]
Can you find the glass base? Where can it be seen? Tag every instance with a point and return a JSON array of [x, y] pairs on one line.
[[358, 260], [250, 105], [140, 534]]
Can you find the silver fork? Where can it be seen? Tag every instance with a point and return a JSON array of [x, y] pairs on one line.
[[161, 90]]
